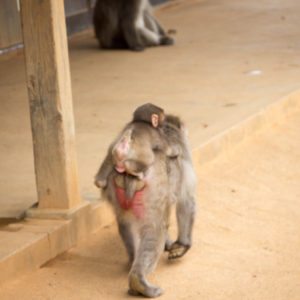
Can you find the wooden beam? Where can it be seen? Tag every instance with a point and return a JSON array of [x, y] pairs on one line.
[[51, 108]]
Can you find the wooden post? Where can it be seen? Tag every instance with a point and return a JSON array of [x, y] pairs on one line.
[[50, 97]]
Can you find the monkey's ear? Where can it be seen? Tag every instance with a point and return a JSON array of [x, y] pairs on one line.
[[155, 120]]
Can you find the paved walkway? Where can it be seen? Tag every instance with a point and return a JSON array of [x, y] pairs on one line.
[[231, 59]]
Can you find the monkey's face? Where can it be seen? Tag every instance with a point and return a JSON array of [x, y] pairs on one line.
[[133, 152]]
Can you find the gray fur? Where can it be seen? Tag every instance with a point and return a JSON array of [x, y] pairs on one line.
[[167, 139], [127, 24], [168, 181]]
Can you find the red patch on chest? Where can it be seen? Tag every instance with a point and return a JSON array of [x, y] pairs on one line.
[[135, 203]]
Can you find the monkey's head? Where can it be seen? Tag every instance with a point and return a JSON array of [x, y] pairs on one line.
[[149, 113], [133, 153]]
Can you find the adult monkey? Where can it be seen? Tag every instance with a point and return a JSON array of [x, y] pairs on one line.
[[143, 219], [120, 153], [128, 24]]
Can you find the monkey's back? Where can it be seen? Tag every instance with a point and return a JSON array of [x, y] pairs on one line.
[[108, 17], [106, 21], [182, 177]]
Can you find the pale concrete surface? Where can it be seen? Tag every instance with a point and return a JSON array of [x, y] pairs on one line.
[[28, 244], [246, 238], [206, 78]]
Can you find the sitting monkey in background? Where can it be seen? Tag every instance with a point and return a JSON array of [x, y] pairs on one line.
[[143, 216], [127, 24]]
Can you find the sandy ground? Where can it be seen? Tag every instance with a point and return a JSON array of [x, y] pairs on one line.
[[207, 78], [246, 238]]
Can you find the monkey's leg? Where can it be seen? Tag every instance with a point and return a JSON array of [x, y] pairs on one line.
[[152, 24], [127, 236], [106, 29], [185, 212], [149, 37], [131, 35], [150, 248], [168, 243]]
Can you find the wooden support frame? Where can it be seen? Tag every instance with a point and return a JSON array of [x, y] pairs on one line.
[[51, 108]]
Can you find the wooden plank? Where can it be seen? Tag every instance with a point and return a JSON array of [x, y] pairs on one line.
[[51, 108]]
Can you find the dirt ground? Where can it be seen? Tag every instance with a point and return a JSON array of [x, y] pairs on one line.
[[231, 58], [246, 238]]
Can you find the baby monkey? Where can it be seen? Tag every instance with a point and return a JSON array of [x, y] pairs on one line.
[[119, 153], [155, 116], [149, 113]]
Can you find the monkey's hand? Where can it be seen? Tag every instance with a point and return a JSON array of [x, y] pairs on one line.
[[177, 250], [100, 183]]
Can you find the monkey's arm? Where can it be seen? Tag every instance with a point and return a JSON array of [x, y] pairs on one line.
[[133, 39], [136, 34], [152, 23], [129, 29], [105, 169]]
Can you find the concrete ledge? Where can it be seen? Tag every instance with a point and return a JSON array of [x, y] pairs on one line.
[[234, 135], [44, 234], [67, 214], [27, 245]]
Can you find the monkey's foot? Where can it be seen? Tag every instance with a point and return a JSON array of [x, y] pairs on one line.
[[166, 41], [168, 245], [139, 287], [138, 48], [177, 250]]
